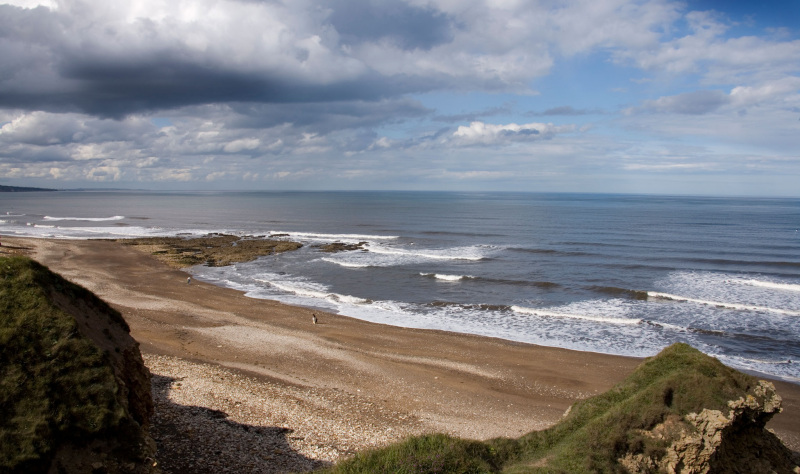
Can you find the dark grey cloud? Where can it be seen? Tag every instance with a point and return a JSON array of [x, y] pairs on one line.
[[406, 26], [46, 65], [120, 88]]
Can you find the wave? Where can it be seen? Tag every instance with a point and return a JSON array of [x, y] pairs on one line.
[[720, 304], [729, 262], [456, 253], [374, 255], [773, 362], [770, 284], [538, 251], [471, 306], [90, 219], [741, 336], [345, 264], [556, 314], [311, 291], [547, 285], [502, 281], [460, 234], [440, 276], [334, 237], [663, 325], [613, 290]]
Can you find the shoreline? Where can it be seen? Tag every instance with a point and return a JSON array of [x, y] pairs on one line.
[[360, 384]]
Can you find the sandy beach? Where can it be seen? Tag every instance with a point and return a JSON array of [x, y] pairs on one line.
[[255, 386]]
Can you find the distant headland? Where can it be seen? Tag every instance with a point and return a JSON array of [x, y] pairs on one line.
[[21, 189]]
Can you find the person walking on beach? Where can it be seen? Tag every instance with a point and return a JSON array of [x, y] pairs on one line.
[[189, 281], [314, 318]]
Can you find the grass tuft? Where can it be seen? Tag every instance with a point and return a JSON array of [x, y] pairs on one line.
[[435, 453]]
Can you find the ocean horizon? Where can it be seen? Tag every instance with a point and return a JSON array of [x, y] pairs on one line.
[[608, 273]]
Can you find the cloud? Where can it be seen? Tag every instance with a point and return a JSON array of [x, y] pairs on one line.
[[404, 25], [479, 133], [241, 144], [781, 92], [569, 111], [691, 103], [145, 55], [718, 57], [669, 167], [309, 94], [473, 116]]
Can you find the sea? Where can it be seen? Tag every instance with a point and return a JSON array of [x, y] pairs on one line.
[[612, 274]]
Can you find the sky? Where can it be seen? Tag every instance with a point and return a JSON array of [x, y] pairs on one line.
[[650, 96]]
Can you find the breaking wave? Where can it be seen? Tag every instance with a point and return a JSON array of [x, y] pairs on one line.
[[587, 317], [89, 219], [721, 304], [443, 277]]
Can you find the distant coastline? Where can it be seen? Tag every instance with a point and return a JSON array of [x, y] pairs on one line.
[[22, 189]]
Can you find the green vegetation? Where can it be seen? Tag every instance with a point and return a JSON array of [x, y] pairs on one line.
[[598, 431], [427, 454], [595, 433], [56, 386]]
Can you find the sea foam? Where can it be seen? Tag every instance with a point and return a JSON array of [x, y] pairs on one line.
[[770, 284], [440, 276], [587, 317], [721, 304], [318, 236], [91, 219]]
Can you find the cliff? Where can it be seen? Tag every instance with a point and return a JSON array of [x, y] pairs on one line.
[[679, 412], [74, 392]]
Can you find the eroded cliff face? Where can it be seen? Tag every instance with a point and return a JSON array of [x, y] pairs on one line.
[[74, 389], [715, 441], [130, 449]]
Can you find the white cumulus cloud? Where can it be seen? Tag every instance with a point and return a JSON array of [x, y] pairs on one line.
[[479, 133]]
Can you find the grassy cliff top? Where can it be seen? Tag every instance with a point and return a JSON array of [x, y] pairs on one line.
[[56, 386], [641, 417]]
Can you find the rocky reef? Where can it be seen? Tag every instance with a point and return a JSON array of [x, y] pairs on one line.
[[74, 392], [215, 250], [334, 247]]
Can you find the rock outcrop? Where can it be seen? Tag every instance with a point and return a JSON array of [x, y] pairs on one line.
[[334, 247], [74, 391], [734, 441], [214, 250]]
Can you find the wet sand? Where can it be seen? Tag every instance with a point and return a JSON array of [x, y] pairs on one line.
[[343, 384]]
